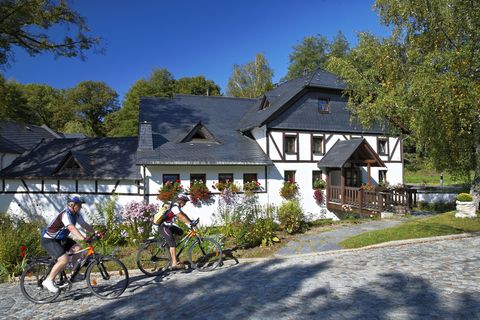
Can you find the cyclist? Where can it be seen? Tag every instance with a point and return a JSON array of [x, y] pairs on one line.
[[55, 238], [168, 228]]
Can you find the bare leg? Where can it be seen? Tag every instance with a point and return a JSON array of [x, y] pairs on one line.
[[59, 266], [173, 254], [77, 256]]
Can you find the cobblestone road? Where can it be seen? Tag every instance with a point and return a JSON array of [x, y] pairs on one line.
[[433, 280]]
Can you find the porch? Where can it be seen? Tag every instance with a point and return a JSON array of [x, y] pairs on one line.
[[347, 189], [365, 201]]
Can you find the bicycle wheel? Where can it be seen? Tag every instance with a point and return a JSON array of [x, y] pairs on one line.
[[107, 277], [153, 258], [205, 254], [31, 282]]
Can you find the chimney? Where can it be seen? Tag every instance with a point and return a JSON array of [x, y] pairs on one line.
[[145, 140]]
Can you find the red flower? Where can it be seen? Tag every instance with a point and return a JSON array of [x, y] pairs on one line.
[[22, 251]]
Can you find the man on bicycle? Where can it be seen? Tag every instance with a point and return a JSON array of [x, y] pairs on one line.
[[168, 228], [55, 238]]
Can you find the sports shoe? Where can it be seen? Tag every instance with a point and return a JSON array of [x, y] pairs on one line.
[[178, 266], [47, 283]]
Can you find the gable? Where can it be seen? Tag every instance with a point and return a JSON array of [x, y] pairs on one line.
[[309, 113], [200, 134]]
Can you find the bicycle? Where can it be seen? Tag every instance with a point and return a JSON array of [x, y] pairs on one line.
[[204, 254], [106, 276]]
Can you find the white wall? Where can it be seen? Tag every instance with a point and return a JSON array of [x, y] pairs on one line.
[[46, 205]]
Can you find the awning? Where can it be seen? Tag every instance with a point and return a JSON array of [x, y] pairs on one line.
[[356, 151]]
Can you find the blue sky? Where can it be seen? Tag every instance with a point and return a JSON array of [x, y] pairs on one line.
[[192, 38]]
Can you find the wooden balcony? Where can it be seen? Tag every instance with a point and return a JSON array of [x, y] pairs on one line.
[[367, 202]]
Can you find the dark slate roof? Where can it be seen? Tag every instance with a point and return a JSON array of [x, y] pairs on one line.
[[304, 115], [173, 119], [284, 93], [342, 151], [98, 158], [23, 136]]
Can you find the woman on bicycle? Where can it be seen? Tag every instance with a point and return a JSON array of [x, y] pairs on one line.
[[55, 237], [168, 228]]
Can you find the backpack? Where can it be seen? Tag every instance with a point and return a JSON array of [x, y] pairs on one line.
[[162, 213]]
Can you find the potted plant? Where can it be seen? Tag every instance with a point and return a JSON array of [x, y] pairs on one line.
[[318, 186], [199, 193], [289, 190], [221, 186], [169, 191], [465, 206], [251, 187]]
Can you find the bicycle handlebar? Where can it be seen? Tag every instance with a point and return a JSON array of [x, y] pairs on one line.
[[97, 235]]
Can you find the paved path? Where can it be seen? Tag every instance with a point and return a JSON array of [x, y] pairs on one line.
[[326, 241], [432, 280]]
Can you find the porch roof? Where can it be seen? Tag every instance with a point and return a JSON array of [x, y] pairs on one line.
[[357, 151]]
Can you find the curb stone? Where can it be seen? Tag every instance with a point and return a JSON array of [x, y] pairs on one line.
[[395, 243]]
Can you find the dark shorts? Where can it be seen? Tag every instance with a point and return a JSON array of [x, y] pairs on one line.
[[57, 248], [167, 233]]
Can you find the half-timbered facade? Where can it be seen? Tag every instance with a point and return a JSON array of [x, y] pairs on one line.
[[301, 130]]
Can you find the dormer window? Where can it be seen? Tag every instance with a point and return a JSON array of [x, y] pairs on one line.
[[265, 103], [323, 105]]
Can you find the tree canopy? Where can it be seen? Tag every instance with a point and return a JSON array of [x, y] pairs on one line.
[[27, 24], [314, 52], [424, 78], [197, 86], [252, 79]]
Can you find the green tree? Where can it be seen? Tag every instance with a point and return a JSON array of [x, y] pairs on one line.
[[26, 24], [13, 104], [252, 79], [197, 86], [48, 105], [307, 56], [423, 78], [314, 52], [92, 102], [125, 121]]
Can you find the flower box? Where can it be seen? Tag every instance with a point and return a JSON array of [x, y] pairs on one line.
[[465, 209]]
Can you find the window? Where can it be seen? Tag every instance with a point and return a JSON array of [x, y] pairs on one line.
[[323, 105], [171, 177], [249, 177], [198, 177], [290, 144], [316, 175], [289, 176], [224, 177], [382, 176], [352, 177], [382, 146], [317, 145]]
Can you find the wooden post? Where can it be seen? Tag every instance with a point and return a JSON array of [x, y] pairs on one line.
[[380, 201], [327, 179], [342, 185], [369, 173], [360, 199]]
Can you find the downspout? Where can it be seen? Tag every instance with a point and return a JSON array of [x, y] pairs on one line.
[[145, 187]]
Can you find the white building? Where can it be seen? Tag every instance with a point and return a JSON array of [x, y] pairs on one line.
[[301, 130]]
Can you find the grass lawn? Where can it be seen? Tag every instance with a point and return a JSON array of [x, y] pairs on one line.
[[430, 178], [443, 224]]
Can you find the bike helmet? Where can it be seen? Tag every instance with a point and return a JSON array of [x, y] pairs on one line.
[[75, 198], [183, 197]]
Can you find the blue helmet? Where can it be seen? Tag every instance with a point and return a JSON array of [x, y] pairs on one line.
[[183, 197], [75, 199]]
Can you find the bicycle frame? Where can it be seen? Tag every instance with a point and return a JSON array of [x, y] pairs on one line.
[[186, 240]]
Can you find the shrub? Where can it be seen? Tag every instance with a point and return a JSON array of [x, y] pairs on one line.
[[137, 218], [439, 206], [262, 232], [289, 190], [464, 197], [291, 216], [111, 221], [20, 240], [169, 191], [319, 184], [199, 193]]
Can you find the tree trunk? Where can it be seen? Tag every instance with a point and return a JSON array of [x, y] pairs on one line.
[[475, 189]]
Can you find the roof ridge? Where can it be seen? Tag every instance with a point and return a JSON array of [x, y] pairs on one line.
[[223, 97]]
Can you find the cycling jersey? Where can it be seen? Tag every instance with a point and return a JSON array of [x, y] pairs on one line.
[[172, 215], [58, 228]]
